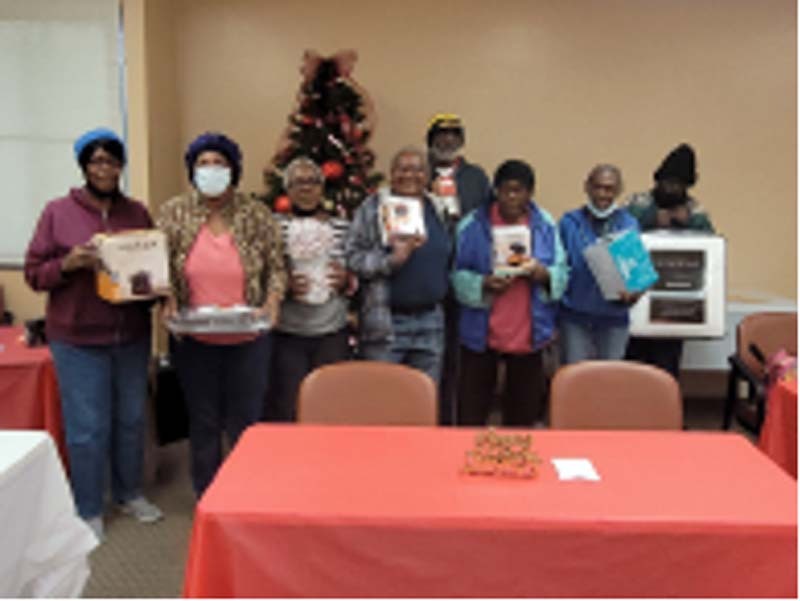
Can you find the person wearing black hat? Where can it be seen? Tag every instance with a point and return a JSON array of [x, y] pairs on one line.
[[667, 206], [225, 249], [458, 187]]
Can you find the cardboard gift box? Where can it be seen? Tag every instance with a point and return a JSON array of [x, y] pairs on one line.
[[133, 265], [688, 300], [620, 263]]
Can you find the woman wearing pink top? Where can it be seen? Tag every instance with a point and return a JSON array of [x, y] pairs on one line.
[[225, 250]]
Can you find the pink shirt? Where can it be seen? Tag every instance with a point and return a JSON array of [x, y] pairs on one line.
[[510, 316], [215, 276]]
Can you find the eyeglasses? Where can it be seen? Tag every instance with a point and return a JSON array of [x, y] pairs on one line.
[[305, 181], [104, 162]]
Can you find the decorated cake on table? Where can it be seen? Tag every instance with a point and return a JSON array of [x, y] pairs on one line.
[[507, 455]]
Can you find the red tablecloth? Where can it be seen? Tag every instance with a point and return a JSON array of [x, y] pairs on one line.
[[29, 398], [368, 511], [779, 433]]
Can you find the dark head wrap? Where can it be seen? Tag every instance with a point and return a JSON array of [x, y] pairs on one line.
[[219, 143], [680, 165]]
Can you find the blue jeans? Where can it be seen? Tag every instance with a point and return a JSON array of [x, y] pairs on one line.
[[582, 342], [103, 390], [418, 342], [225, 387]]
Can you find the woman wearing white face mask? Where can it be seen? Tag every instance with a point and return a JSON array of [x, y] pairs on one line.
[[590, 326], [225, 249]]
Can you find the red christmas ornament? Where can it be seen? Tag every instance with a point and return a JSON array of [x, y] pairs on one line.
[[282, 204], [332, 169]]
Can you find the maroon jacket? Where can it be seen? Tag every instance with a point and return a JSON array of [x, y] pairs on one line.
[[75, 313]]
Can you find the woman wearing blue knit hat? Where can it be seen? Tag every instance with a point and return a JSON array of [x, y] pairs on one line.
[[225, 250], [100, 350]]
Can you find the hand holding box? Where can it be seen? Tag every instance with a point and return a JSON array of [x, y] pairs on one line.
[[620, 263]]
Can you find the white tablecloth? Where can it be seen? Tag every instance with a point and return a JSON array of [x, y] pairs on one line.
[[45, 545]]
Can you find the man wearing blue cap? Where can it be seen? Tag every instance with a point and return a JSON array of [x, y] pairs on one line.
[[101, 350]]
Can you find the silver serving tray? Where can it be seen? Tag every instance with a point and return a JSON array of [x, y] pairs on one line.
[[218, 320]]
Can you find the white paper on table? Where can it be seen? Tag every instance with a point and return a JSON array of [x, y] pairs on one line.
[[575, 469]]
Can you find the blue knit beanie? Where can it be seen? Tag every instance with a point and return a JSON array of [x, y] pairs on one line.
[[220, 143], [93, 135]]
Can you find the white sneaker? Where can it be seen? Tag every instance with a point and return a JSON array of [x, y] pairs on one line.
[[96, 524], [141, 509]]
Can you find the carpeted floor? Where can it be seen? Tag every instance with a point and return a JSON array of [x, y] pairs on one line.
[[147, 560]]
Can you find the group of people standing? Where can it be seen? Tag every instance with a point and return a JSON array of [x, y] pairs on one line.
[[433, 302]]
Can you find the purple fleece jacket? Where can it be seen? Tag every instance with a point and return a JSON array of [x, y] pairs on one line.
[[75, 313]]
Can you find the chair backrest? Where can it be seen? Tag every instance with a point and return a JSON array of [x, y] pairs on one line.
[[615, 395], [367, 393], [770, 332]]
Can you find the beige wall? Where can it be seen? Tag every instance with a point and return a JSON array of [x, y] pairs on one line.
[[562, 84]]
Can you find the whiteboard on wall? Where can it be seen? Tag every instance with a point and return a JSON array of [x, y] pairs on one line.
[[61, 70]]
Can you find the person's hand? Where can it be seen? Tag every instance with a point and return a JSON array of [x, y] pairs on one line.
[[168, 308], [536, 272], [629, 298], [663, 218], [271, 309], [680, 214], [80, 256], [337, 276], [402, 247], [496, 284], [299, 284]]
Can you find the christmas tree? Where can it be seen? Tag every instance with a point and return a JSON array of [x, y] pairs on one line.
[[331, 124]]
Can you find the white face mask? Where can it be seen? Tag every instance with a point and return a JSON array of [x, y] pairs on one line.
[[601, 214], [212, 180]]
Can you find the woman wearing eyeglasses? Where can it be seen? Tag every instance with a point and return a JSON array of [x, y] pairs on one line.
[[100, 349], [312, 327]]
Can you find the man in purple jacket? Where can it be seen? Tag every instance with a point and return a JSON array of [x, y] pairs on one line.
[[100, 349]]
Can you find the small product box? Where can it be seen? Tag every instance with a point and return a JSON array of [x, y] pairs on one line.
[[620, 263], [133, 265], [688, 301], [401, 216], [511, 247]]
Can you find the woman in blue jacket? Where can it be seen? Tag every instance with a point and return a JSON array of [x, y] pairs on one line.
[[590, 326], [506, 318]]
